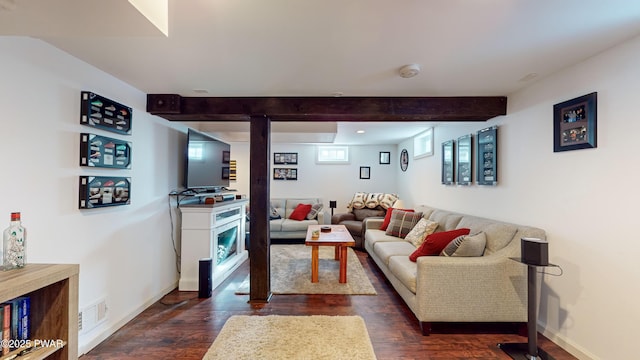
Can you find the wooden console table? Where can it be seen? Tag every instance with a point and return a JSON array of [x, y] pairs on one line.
[[53, 292]]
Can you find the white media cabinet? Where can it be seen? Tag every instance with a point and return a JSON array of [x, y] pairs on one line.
[[203, 225]]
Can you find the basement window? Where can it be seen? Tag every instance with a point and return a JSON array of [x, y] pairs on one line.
[[332, 155], [423, 144]]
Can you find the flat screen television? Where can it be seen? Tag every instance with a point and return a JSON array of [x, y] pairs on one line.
[[206, 163]]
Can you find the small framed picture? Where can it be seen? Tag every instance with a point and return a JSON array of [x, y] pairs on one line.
[[285, 158], [285, 174], [385, 157], [575, 123], [365, 172]]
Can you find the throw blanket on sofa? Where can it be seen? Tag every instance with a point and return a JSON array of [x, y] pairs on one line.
[[361, 200]]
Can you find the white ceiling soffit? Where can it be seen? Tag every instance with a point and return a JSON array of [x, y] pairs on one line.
[[81, 18], [281, 132], [342, 133]]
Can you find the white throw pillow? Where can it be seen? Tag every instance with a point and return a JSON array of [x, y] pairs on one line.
[[419, 232]]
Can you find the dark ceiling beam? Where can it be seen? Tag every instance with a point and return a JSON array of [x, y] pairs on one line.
[[459, 108]]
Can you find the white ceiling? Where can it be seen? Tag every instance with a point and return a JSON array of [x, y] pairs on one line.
[[324, 47]]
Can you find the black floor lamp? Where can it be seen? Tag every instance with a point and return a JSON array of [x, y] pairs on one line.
[[332, 205]]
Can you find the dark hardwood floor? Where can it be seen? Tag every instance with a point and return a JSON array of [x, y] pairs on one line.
[[182, 326]]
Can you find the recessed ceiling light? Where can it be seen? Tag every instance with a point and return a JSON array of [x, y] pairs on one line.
[[201, 91], [337, 94], [360, 131]]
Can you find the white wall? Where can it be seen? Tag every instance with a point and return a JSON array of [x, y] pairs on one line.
[[586, 200], [329, 182], [125, 252]]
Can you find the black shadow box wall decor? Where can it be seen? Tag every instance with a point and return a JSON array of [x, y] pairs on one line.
[[447, 163], [285, 174], [106, 152], [464, 159], [487, 156], [285, 158], [101, 191], [100, 112]]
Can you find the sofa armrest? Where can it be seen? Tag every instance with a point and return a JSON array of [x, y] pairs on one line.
[[373, 222], [471, 288], [320, 217], [338, 218]]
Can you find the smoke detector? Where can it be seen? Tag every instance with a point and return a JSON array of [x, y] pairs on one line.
[[410, 70]]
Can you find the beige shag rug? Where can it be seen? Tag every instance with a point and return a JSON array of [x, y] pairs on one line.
[[291, 273], [292, 337]]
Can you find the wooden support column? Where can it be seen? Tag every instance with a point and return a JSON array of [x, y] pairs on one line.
[[259, 242]]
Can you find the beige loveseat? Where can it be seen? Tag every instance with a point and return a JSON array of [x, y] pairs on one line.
[[285, 228], [488, 288]]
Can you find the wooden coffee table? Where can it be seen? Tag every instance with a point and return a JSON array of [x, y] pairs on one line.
[[338, 237]]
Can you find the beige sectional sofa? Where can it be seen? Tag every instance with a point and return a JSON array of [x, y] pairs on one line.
[[488, 288], [285, 228]]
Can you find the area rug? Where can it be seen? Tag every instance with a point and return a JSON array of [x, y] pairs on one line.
[[291, 273], [292, 337]]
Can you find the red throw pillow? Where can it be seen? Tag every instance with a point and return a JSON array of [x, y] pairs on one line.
[[387, 217], [300, 212], [435, 242]]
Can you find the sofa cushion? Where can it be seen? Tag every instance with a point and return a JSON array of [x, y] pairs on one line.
[[292, 203], [419, 232], [373, 236], [387, 218], [297, 225], [405, 270], [446, 219], [275, 225], [402, 222], [315, 209], [300, 212], [385, 249], [435, 242], [466, 245], [498, 234], [361, 214]]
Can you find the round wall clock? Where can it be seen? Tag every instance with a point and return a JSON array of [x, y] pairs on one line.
[[404, 159]]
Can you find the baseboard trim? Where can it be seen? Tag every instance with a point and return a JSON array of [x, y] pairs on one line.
[[104, 334], [566, 344]]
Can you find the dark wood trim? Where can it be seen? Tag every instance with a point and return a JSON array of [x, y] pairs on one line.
[[425, 328], [455, 108], [259, 242]]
